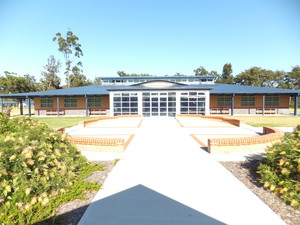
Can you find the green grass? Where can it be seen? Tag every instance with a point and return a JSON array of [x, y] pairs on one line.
[[55, 122], [271, 121]]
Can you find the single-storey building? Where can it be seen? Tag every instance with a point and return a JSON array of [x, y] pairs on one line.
[[159, 96]]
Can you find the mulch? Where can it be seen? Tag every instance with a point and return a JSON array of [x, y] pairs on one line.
[[245, 172]]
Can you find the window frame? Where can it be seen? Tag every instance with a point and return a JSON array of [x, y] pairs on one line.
[[222, 101], [273, 100], [94, 101], [68, 101], [247, 101], [49, 102]]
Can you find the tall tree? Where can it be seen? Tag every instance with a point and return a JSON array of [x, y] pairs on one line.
[[226, 77], [71, 50], [77, 79], [200, 71], [50, 79]]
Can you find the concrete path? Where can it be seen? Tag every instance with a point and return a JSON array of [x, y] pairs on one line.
[[165, 179]]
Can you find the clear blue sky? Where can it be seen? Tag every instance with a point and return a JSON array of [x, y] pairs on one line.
[[152, 36]]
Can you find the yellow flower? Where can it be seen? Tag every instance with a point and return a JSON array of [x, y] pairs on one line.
[[45, 201], [33, 200], [30, 161], [12, 157], [27, 191]]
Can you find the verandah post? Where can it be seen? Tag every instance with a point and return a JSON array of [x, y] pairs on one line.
[[29, 107], [1, 99], [232, 104], [21, 107], [295, 104], [263, 106], [86, 106], [57, 106]]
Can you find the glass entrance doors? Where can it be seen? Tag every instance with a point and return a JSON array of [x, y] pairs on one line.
[[159, 104]]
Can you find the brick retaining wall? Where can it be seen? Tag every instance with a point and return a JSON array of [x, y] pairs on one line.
[[234, 122], [245, 144]]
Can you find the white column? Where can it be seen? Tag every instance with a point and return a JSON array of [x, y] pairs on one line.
[[178, 102], [140, 103], [207, 103], [111, 103]]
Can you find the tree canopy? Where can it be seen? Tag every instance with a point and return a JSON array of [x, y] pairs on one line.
[[12, 83], [123, 74], [50, 79], [71, 50]]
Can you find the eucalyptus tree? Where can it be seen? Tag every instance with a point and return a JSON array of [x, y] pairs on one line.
[[50, 79], [71, 50]]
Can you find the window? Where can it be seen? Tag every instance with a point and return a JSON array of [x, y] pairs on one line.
[[272, 100], [94, 102], [70, 102], [46, 102], [192, 103], [248, 100], [224, 100], [125, 103]]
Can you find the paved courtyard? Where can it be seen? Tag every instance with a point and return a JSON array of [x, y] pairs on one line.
[[164, 177]]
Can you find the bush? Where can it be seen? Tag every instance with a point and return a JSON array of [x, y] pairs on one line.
[[280, 169], [39, 169]]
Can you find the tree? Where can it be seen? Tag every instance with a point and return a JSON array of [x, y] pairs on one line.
[[200, 71], [50, 80], [257, 76], [97, 81], [178, 74], [77, 79], [226, 76], [71, 50], [123, 74], [292, 79], [12, 83]]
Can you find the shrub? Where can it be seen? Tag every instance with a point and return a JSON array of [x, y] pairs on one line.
[[39, 169], [280, 169]]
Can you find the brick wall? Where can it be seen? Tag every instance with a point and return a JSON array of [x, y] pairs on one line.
[[234, 122], [245, 144]]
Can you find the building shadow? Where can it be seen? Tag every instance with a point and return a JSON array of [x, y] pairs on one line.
[[140, 205]]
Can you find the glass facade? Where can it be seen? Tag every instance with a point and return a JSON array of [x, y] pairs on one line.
[[192, 103], [125, 104], [159, 104]]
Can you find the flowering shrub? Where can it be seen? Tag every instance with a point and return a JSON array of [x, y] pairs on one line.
[[280, 170], [38, 168]]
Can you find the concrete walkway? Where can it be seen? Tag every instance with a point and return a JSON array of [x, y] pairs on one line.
[[165, 179]]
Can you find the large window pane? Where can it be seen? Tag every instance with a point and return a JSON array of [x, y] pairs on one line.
[[94, 102], [46, 102], [70, 102]]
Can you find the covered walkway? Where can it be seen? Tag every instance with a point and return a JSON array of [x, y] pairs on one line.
[[165, 178]]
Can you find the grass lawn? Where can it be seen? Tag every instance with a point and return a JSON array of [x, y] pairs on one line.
[[271, 121], [55, 122]]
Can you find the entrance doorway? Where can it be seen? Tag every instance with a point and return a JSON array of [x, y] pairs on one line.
[[159, 104]]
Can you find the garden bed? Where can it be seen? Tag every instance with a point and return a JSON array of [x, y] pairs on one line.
[[245, 172]]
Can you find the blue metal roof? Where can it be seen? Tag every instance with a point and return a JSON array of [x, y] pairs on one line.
[[104, 90], [156, 77], [77, 91], [242, 89]]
